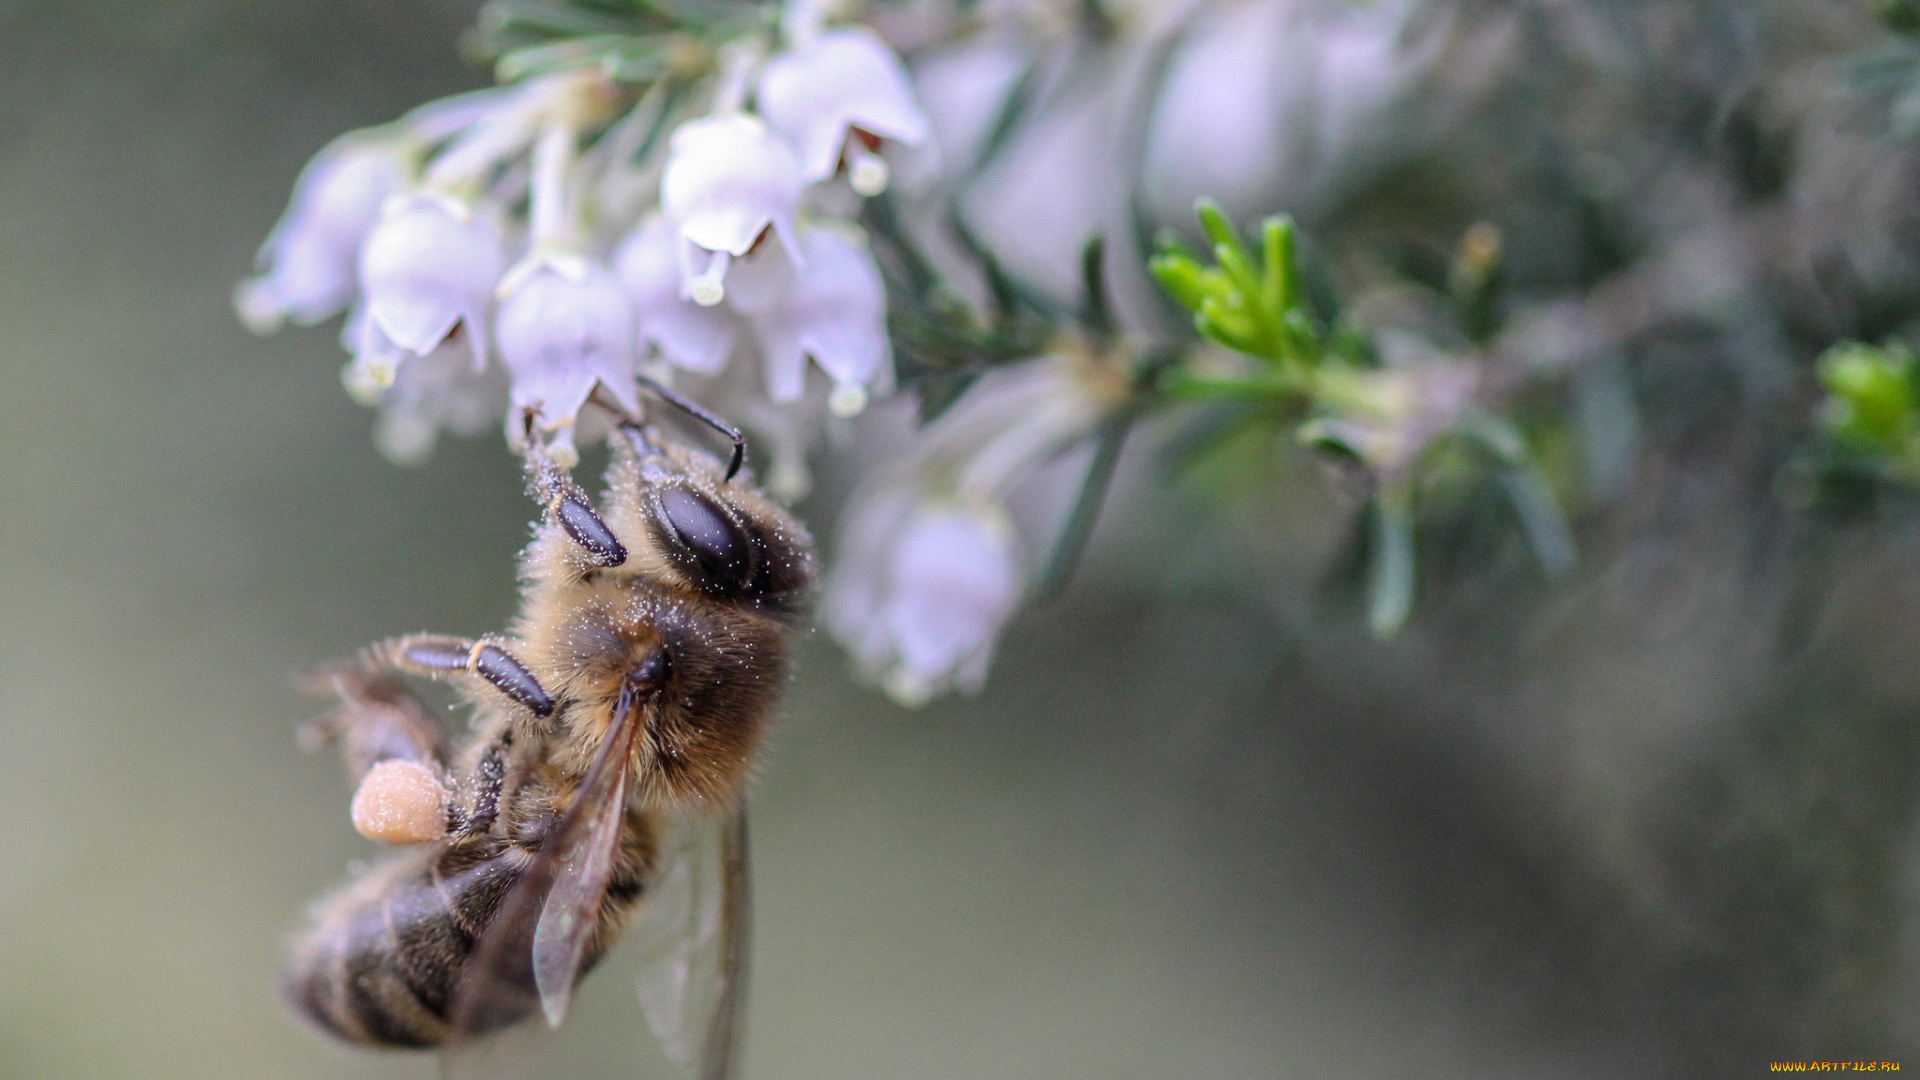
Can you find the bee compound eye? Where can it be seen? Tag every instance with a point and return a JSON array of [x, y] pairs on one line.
[[705, 532]]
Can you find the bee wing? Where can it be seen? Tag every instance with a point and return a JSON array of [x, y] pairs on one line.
[[692, 934], [530, 955]]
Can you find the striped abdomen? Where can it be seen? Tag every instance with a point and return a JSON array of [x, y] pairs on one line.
[[380, 964]]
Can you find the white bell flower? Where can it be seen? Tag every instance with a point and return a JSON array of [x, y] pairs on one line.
[[310, 262], [436, 391], [727, 181], [929, 564], [429, 266], [693, 337], [833, 309], [842, 82], [567, 327], [922, 590]]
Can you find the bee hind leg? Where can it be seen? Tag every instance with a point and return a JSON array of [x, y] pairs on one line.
[[376, 719], [394, 751], [489, 776]]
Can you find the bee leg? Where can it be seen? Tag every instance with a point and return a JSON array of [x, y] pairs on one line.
[[437, 657], [377, 719], [685, 404], [565, 503], [693, 408], [489, 774], [394, 751]]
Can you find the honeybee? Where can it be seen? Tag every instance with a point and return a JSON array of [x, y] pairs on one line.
[[614, 729]]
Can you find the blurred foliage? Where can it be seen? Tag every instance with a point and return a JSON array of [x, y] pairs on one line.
[[629, 40], [1901, 15], [942, 343], [1417, 429], [1872, 409]]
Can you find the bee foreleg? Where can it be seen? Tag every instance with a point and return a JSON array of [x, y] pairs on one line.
[[567, 504], [439, 656], [643, 445]]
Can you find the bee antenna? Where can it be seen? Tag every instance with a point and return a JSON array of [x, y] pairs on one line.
[[698, 412]]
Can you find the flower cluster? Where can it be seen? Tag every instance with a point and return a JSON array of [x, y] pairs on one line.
[[519, 251], [697, 198]]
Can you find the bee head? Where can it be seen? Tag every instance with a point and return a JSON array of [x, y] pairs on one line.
[[721, 538]]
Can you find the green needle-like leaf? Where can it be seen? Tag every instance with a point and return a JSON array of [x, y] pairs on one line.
[[1214, 221], [1540, 518], [1233, 259], [1390, 573], [1277, 247], [1181, 277]]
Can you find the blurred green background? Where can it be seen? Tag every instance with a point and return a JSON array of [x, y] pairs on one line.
[[1655, 822]]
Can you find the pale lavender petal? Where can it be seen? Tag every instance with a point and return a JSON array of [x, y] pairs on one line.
[[964, 88], [841, 309], [835, 312], [425, 270], [310, 262], [728, 178], [855, 592], [843, 79], [696, 338], [953, 582], [435, 391], [783, 358], [559, 336]]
